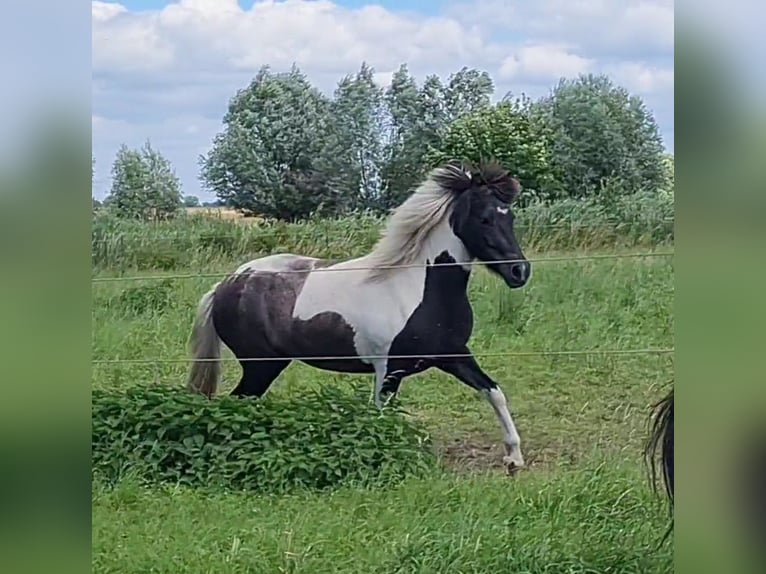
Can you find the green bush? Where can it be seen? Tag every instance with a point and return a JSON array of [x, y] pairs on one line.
[[509, 133], [154, 297], [318, 440]]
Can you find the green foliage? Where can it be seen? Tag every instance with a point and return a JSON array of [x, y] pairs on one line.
[[357, 111], [467, 90], [405, 145], [645, 218], [669, 169], [276, 156], [289, 152], [191, 201], [320, 440], [418, 118], [602, 137], [144, 185], [509, 133], [134, 300]]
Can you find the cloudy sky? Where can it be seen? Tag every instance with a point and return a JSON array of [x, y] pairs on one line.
[[166, 70]]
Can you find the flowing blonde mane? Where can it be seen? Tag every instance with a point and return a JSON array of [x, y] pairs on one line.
[[410, 225]]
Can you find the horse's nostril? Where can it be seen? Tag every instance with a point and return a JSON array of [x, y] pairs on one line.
[[519, 272]]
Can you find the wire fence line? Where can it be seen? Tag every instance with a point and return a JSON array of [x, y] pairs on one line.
[[561, 259], [559, 353]]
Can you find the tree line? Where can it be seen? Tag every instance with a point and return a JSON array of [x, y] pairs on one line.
[[288, 151]]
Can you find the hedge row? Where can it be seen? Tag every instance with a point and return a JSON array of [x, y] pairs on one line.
[[318, 440], [641, 219]]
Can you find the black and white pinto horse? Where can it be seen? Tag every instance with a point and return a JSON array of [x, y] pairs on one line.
[[392, 312]]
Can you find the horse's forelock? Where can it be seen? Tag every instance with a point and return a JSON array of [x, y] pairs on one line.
[[458, 177], [453, 177], [499, 180]]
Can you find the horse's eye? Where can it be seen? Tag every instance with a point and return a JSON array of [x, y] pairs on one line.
[[486, 220]]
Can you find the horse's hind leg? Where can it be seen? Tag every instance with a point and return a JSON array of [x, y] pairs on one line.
[[257, 377]]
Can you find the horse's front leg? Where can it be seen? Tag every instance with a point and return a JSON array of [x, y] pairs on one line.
[[381, 366], [468, 371], [396, 372]]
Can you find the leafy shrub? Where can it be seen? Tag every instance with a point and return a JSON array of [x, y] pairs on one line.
[[509, 133], [140, 299], [318, 440]]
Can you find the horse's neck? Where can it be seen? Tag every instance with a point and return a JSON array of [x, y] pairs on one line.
[[442, 239]]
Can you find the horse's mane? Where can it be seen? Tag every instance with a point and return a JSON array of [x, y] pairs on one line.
[[661, 438], [410, 225]]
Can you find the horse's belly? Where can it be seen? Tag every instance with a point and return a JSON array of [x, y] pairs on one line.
[[326, 341], [341, 366]]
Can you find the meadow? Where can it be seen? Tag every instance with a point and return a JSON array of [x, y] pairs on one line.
[[583, 504]]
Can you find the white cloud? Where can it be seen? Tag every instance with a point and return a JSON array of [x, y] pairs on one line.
[[544, 63], [643, 79], [214, 34], [168, 74], [599, 28], [103, 11], [127, 42]]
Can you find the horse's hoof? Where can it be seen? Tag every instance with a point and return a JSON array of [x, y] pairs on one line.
[[513, 464]]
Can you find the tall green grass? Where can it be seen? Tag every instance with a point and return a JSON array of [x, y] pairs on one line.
[[596, 520], [194, 241]]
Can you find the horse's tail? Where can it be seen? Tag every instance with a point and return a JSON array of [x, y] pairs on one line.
[[661, 438], [205, 349]]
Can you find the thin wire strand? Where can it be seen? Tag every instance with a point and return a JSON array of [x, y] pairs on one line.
[[403, 266], [577, 352]]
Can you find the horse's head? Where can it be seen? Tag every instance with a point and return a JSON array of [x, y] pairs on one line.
[[482, 218]]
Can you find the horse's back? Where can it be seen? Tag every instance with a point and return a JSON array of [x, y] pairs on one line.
[[252, 309], [279, 262]]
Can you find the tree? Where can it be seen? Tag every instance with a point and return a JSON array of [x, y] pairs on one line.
[[419, 119], [602, 137], [402, 151], [274, 156], [358, 114], [434, 113], [467, 90], [144, 185], [191, 201], [509, 133]]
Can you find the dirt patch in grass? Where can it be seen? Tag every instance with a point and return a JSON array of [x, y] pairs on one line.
[[472, 454], [479, 453]]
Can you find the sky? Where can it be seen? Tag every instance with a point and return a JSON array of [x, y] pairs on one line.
[[165, 71]]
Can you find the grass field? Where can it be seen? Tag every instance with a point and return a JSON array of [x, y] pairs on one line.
[[582, 505]]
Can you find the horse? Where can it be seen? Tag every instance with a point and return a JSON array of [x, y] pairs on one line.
[[661, 438], [398, 311]]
